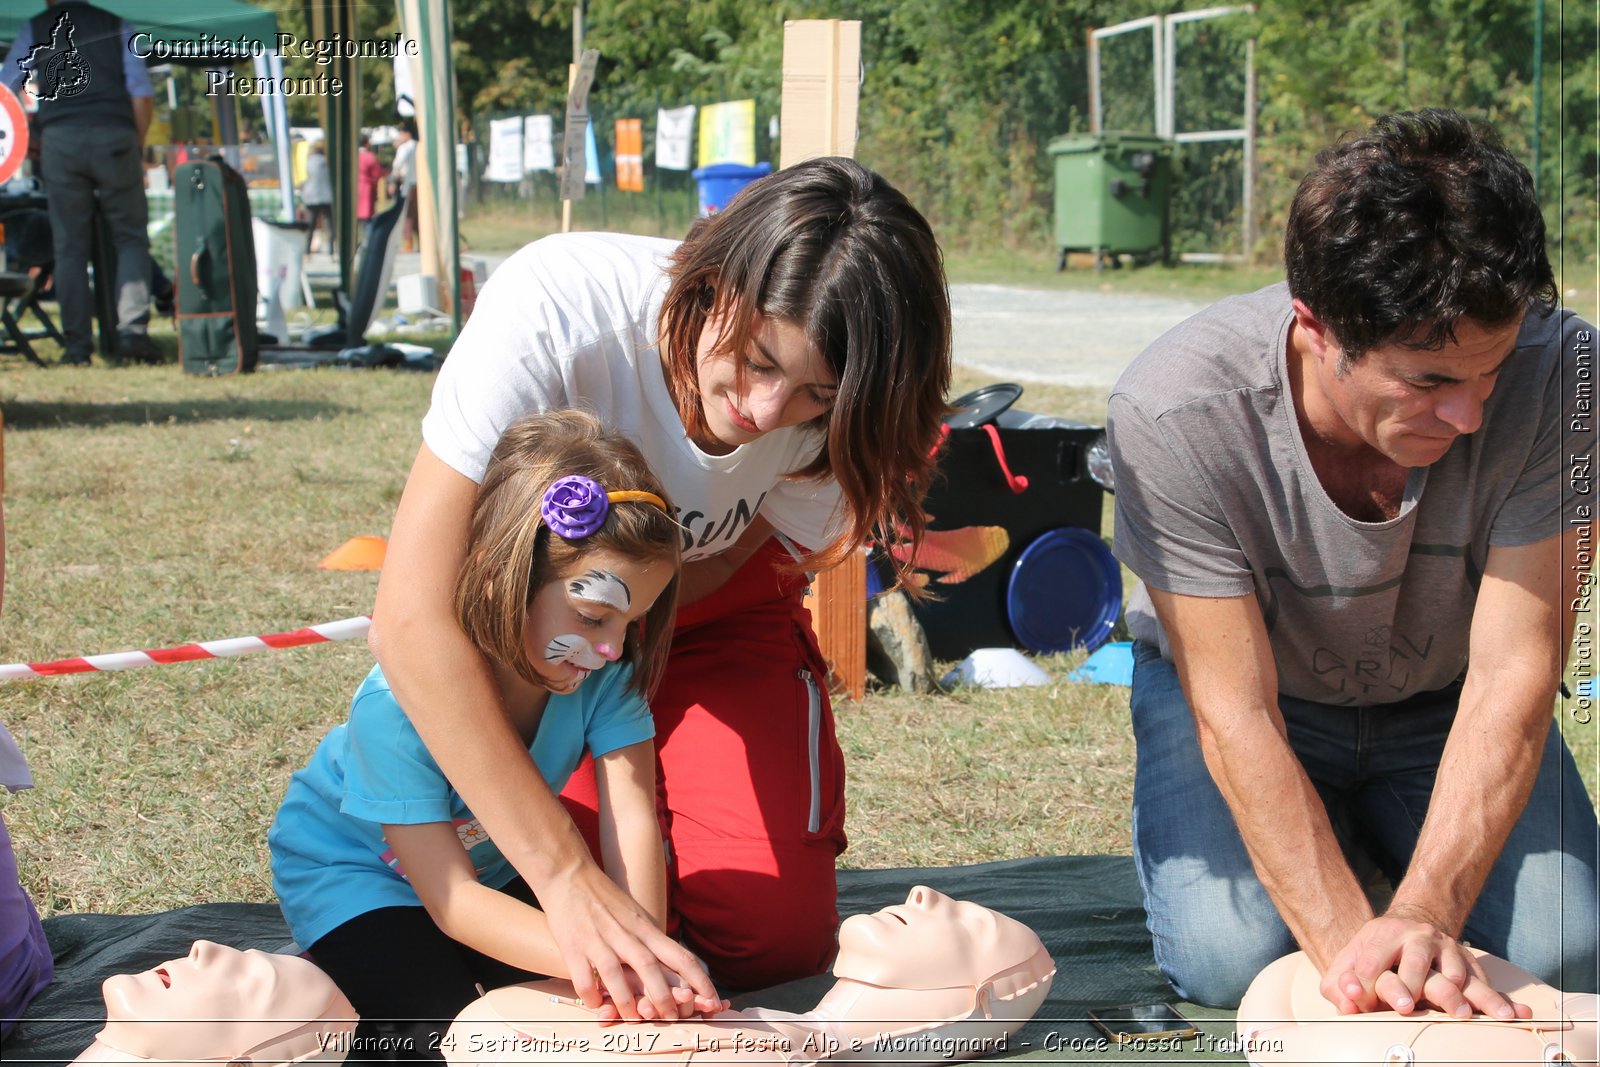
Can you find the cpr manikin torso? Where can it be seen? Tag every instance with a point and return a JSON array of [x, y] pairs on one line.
[[1284, 1019], [927, 981], [220, 1003]]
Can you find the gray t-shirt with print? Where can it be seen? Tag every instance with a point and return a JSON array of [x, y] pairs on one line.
[[1216, 497]]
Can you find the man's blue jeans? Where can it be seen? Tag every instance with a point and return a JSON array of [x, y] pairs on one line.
[[1214, 925]]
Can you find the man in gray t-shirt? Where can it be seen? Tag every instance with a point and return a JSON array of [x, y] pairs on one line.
[[1332, 491]]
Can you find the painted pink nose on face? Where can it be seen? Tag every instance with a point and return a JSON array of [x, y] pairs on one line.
[[611, 652]]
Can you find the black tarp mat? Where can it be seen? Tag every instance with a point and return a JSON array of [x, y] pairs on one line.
[[1085, 908]]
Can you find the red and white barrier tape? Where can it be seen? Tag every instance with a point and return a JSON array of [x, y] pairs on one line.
[[341, 630]]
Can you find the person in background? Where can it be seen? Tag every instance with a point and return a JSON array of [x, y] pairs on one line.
[[95, 108], [316, 192], [369, 173], [403, 180]]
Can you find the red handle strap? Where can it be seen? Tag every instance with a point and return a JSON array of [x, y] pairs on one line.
[[1017, 483]]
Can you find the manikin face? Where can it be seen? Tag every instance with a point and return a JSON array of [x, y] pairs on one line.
[[1408, 405], [578, 623], [785, 381], [931, 942], [238, 1001]]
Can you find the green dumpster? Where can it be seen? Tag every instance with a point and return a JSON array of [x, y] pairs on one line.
[[1112, 191]]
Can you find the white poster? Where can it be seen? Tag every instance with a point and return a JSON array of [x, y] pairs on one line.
[[404, 98], [505, 151], [538, 143], [674, 133]]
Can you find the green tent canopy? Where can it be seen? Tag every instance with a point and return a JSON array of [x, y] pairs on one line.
[[168, 20]]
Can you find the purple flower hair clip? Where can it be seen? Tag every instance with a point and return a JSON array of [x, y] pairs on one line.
[[575, 507]]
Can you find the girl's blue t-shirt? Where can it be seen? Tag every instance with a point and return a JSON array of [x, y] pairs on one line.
[[330, 862]]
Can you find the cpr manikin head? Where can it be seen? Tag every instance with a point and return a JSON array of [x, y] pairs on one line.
[[934, 954], [927, 981], [931, 941], [1284, 1019], [220, 1003]]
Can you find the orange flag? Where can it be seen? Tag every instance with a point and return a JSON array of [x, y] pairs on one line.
[[630, 155]]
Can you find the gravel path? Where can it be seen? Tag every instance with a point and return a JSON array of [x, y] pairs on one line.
[[1070, 337]]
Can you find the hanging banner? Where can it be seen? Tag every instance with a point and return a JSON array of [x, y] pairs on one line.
[[630, 155], [728, 133], [298, 156], [674, 133], [575, 132], [505, 151], [404, 99], [538, 152], [591, 157]]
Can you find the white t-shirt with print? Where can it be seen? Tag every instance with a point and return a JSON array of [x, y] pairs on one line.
[[570, 322]]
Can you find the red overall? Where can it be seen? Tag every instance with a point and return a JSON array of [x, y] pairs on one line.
[[750, 781]]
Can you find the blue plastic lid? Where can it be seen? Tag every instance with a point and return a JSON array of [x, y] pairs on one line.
[[733, 170], [1065, 592]]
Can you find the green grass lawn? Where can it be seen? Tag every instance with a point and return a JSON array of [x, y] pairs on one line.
[[145, 508]]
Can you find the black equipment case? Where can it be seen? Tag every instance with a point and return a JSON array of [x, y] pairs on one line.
[[982, 471], [215, 270]]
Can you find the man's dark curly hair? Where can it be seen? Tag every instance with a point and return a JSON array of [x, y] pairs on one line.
[[1421, 222]]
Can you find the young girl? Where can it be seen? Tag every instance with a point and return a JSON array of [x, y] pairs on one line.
[[384, 875], [784, 368]]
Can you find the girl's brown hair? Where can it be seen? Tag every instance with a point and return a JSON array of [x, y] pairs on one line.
[[834, 248], [512, 554]]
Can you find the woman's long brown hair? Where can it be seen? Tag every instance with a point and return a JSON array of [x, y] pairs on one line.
[[834, 248]]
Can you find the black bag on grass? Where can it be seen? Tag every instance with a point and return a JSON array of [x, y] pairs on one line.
[[215, 270], [998, 490]]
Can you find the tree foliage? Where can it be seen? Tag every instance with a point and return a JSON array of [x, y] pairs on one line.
[[960, 98], [1472, 55]]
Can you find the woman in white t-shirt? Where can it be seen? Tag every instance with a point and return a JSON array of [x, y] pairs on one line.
[[784, 371]]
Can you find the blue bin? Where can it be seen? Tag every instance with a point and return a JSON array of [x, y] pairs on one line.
[[721, 182]]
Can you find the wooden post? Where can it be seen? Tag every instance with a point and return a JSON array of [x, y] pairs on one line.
[[572, 79], [566, 204], [838, 605], [572, 137], [821, 60], [821, 89]]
